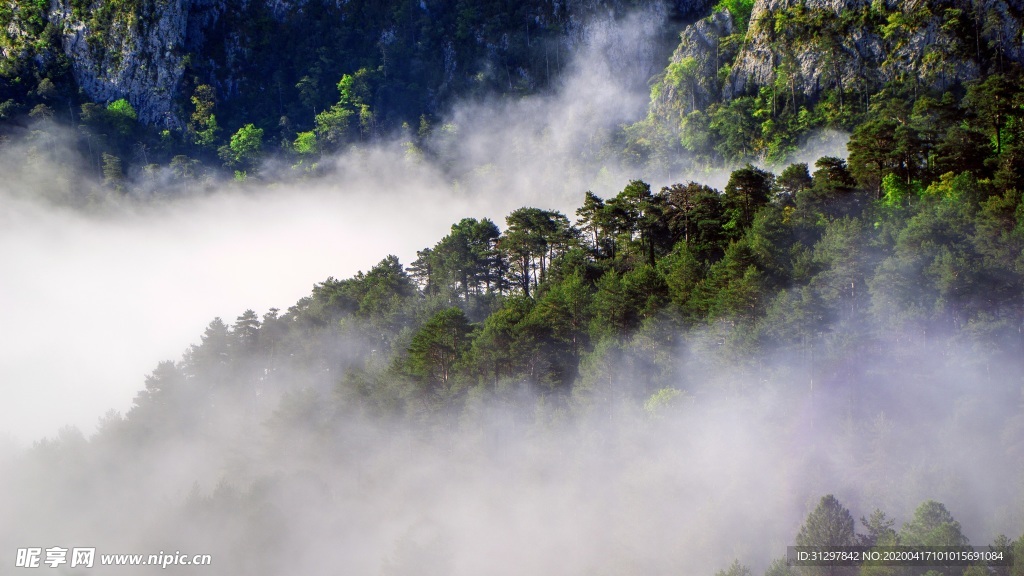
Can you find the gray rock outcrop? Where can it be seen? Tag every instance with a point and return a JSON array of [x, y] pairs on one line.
[[139, 55], [866, 43]]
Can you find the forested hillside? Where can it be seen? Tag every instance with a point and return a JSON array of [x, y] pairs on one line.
[[666, 380], [873, 302], [195, 88]]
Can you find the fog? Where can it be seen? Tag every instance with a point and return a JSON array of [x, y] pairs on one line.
[[95, 297], [727, 470], [142, 277], [92, 301]]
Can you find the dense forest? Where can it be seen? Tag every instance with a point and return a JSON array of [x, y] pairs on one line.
[[637, 381]]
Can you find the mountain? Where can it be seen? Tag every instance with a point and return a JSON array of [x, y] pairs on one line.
[[772, 71], [283, 58], [746, 80], [823, 46]]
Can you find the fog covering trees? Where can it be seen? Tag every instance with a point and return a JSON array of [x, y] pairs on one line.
[[667, 382]]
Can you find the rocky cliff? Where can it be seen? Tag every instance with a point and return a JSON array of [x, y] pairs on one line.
[[758, 83], [843, 44], [154, 52], [281, 59], [135, 53], [691, 79], [808, 46]]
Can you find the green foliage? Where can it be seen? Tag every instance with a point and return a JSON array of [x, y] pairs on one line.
[[623, 301], [245, 146], [880, 530], [829, 524], [779, 567], [646, 281], [992, 100], [740, 10], [1018, 552], [534, 238], [662, 401], [791, 182], [803, 261], [774, 110], [932, 525], [748, 189], [332, 125], [305, 143], [465, 265], [113, 174], [122, 115], [734, 569], [203, 124], [505, 345], [247, 142], [881, 147], [681, 75], [895, 192], [683, 272], [695, 214], [565, 309], [437, 347], [694, 133], [736, 129]]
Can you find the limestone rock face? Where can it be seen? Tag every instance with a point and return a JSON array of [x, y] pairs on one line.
[[818, 44], [137, 55], [140, 49], [692, 77]]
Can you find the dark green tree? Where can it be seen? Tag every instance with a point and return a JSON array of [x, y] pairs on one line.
[[879, 530], [166, 405], [963, 150], [437, 347], [533, 239], [738, 131], [591, 223], [932, 525], [502, 347], [793, 180], [829, 524], [887, 143], [565, 309], [381, 296], [683, 272], [637, 216], [748, 189], [992, 101], [696, 216], [734, 569], [466, 262]]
